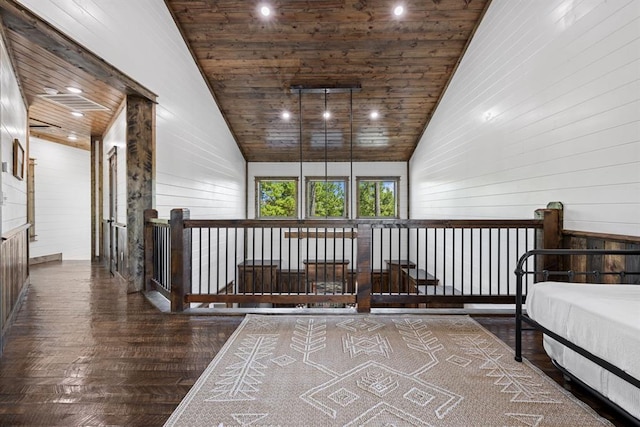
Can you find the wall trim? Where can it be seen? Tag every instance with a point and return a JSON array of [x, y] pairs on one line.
[[603, 236], [12, 316], [45, 258]]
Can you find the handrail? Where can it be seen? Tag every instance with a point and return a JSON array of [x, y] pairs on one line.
[[158, 221], [345, 223], [622, 238], [17, 230]]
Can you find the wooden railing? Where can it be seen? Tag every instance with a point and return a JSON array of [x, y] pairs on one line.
[[157, 261], [338, 263], [14, 274]]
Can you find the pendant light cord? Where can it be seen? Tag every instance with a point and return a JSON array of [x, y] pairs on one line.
[[300, 138]]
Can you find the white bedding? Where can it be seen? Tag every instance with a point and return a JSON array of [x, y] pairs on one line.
[[603, 319]]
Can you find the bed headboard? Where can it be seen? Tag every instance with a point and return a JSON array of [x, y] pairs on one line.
[[613, 273]]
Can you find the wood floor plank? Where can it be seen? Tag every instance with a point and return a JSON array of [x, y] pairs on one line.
[[84, 352]]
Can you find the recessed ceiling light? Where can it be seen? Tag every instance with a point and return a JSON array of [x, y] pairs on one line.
[[77, 114], [72, 138], [286, 115], [265, 10], [50, 91], [374, 115], [74, 89], [398, 10], [326, 115]]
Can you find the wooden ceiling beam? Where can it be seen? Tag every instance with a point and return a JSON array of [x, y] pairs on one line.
[[18, 19]]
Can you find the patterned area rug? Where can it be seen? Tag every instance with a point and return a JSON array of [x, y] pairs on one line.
[[373, 370]]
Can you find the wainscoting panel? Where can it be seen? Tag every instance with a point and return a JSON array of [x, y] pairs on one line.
[[14, 275], [583, 240]]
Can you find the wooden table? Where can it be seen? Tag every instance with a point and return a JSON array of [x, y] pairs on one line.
[[328, 270], [258, 276]]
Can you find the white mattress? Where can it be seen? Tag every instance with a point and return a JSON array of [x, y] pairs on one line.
[[603, 319]]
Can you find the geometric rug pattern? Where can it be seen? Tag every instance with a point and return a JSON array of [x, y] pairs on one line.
[[373, 370]]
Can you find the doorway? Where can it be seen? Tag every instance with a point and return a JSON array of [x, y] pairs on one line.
[[112, 231]]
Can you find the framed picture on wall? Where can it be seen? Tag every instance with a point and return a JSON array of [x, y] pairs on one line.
[[18, 159]]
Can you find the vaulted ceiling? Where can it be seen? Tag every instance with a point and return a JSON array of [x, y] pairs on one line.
[[398, 65], [348, 57]]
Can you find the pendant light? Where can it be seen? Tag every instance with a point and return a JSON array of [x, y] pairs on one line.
[[326, 115]]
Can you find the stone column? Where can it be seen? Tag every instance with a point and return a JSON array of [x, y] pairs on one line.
[[141, 141]]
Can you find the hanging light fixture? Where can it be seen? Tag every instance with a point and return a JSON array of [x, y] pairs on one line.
[[300, 144], [351, 185], [326, 116]]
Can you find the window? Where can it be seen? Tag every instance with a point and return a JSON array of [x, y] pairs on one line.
[[276, 197], [327, 197], [378, 197]]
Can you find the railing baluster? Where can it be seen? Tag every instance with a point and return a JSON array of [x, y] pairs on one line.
[[435, 253], [472, 260], [499, 259], [235, 260], [453, 258], [491, 261], [462, 251], [226, 259]]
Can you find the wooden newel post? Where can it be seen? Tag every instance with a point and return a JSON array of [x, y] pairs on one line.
[[149, 248], [550, 237], [364, 268], [180, 258]]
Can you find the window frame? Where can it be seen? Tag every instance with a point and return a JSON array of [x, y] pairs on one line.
[[310, 179], [259, 179], [378, 180]]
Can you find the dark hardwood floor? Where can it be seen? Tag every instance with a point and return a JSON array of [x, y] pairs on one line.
[[84, 352]]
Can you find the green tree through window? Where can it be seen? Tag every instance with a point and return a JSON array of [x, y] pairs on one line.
[[277, 198], [327, 199], [377, 198]]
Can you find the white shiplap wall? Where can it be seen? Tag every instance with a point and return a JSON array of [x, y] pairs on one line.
[[316, 169], [545, 106], [199, 165], [62, 200], [13, 124]]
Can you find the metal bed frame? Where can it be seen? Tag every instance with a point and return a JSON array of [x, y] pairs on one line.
[[521, 272]]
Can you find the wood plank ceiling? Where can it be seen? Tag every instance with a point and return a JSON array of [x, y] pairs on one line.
[[47, 63], [400, 66]]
